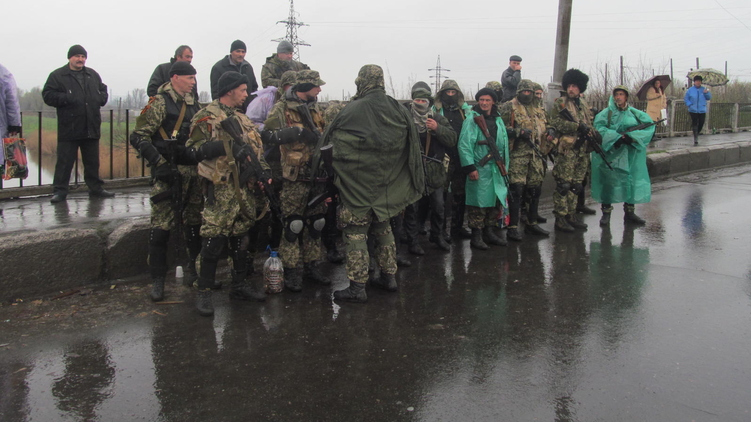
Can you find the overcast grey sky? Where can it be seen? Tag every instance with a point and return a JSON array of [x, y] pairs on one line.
[[127, 39]]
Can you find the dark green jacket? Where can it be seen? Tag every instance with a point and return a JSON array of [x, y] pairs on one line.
[[376, 156]]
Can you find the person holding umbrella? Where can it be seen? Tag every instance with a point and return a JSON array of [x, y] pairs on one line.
[[696, 100], [656, 100]]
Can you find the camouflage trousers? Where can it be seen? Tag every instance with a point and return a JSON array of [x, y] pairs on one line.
[[478, 218], [222, 213], [525, 167], [305, 248], [570, 169], [162, 213], [356, 231]]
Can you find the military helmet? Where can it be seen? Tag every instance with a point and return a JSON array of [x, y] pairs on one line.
[[525, 85], [494, 85], [288, 78]]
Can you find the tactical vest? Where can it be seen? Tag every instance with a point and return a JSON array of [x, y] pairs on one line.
[[295, 157], [524, 118], [172, 110]]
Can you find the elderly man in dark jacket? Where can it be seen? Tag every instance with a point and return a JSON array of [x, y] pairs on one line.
[[234, 62], [511, 78], [78, 93]]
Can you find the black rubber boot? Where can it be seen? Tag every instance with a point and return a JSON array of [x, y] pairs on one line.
[[457, 226], [512, 233], [193, 243], [491, 238], [415, 248], [536, 229], [440, 241], [313, 273], [402, 261], [354, 293], [203, 303], [293, 279], [607, 210], [242, 290], [575, 223], [157, 289], [533, 207], [477, 242], [334, 256], [385, 282], [562, 225], [630, 217]]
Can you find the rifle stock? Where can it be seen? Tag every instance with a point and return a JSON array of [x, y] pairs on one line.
[[588, 137]]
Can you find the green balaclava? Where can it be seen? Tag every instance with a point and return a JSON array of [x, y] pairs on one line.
[[525, 92], [368, 79]]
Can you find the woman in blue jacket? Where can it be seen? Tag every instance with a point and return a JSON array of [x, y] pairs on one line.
[[696, 100]]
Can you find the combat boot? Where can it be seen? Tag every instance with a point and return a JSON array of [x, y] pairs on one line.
[[490, 237], [402, 261], [157, 289], [606, 212], [536, 229], [476, 241], [191, 275], [240, 290], [293, 279], [562, 225], [385, 282], [541, 219], [630, 217], [512, 233], [203, 303], [313, 273], [354, 293], [575, 223], [415, 248], [440, 242]]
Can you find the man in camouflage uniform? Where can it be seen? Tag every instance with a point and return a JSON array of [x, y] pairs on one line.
[[449, 103], [277, 64], [545, 148], [230, 206], [296, 144], [167, 116], [527, 130], [378, 168], [572, 161]]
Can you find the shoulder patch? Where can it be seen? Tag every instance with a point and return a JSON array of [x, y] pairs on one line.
[[148, 105]]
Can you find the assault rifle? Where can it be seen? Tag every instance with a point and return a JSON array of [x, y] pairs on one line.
[[327, 158], [588, 137], [641, 126], [526, 138], [494, 154], [251, 165]]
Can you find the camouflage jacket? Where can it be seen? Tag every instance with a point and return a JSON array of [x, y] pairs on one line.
[[568, 131], [517, 116], [205, 127], [155, 113], [272, 70], [295, 156]]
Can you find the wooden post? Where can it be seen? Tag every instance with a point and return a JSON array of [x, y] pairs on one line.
[[671, 118], [734, 119]]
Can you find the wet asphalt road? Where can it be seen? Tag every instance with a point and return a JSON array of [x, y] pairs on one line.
[[625, 324]]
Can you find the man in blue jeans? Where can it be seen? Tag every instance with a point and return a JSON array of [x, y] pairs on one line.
[[696, 100]]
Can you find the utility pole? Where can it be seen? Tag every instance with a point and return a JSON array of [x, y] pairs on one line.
[[621, 70], [292, 25], [561, 50], [438, 69], [606, 78], [697, 63]]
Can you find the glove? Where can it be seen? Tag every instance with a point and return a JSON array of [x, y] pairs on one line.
[[583, 127], [208, 151], [163, 173], [14, 129], [308, 136], [281, 136], [627, 139], [525, 134]]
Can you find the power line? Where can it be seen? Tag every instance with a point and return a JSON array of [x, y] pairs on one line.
[[292, 25], [734, 17], [438, 69]]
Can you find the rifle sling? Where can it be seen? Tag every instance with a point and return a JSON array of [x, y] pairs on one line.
[[179, 122]]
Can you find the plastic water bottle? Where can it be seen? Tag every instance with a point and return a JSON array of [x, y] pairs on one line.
[[273, 273]]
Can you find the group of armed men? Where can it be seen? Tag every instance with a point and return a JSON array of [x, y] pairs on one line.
[[272, 162]]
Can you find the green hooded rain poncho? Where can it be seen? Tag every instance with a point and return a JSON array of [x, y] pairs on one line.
[[377, 159], [490, 187], [629, 180]]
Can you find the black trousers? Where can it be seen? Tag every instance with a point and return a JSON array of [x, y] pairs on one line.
[[66, 158], [697, 122]]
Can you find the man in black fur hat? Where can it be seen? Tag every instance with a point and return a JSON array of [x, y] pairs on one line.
[[572, 163]]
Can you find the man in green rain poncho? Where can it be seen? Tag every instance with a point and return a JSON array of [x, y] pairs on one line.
[[378, 170], [628, 182]]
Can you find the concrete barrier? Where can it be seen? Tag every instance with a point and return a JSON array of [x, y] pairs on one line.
[[127, 249], [732, 154], [698, 159], [679, 161], [658, 165], [716, 156]]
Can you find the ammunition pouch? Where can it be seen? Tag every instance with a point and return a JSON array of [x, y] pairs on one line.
[[216, 171], [562, 188]]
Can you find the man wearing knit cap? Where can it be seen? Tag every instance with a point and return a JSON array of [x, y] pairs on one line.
[[277, 64], [511, 78], [288, 128], [485, 187], [161, 74], [572, 161], [77, 92], [234, 62], [230, 208], [167, 116]]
